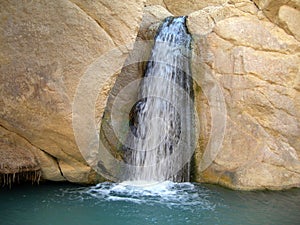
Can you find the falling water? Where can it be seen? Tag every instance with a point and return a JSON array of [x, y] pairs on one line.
[[161, 121]]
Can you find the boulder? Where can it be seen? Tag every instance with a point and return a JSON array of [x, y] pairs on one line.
[[284, 13], [289, 18]]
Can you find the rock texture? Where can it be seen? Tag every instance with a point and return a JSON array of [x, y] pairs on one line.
[[45, 48], [252, 57], [283, 13], [183, 7], [256, 64], [17, 163], [250, 50], [246, 51], [124, 93]]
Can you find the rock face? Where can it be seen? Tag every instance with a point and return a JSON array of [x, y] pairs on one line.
[[256, 65], [284, 13], [182, 7], [246, 57], [248, 53], [124, 93], [45, 48], [16, 162]]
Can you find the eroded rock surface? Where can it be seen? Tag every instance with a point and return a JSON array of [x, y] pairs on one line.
[[46, 46], [249, 50], [256, 63]]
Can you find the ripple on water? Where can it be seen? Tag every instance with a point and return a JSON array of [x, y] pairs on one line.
[[156, 203]]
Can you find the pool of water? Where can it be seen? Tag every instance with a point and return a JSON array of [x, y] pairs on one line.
[[162, 203]]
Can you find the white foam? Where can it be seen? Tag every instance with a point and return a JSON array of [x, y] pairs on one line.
[[140, 183], [166, 193]]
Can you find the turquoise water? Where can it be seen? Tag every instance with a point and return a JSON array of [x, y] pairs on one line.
[[163, 203]]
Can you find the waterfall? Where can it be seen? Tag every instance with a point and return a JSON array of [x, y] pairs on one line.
[[161, 122]]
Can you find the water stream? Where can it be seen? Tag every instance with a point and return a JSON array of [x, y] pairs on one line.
[[161, 121]]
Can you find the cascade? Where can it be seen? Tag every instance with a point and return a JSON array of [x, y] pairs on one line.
[[161, 122]]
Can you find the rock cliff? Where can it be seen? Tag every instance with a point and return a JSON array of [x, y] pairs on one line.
[[45, 48], [246, 67], [251, 51], [246, 57]]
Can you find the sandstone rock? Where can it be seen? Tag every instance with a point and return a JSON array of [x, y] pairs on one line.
[[246, 6], [203, 23], [277, 11], [47, 164], [216, 7], [249, 31], [256, 64], [289, 18], [45, 49], [124, 93], [17, 163], [180, 7], [152, 18], [75, 172], [119, 19], [271, 7], [251, 62], [155, 2]]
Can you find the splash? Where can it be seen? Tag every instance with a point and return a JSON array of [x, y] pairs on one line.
[[172, 195]]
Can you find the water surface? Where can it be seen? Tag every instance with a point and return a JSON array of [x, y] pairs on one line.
[[163, 203]]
